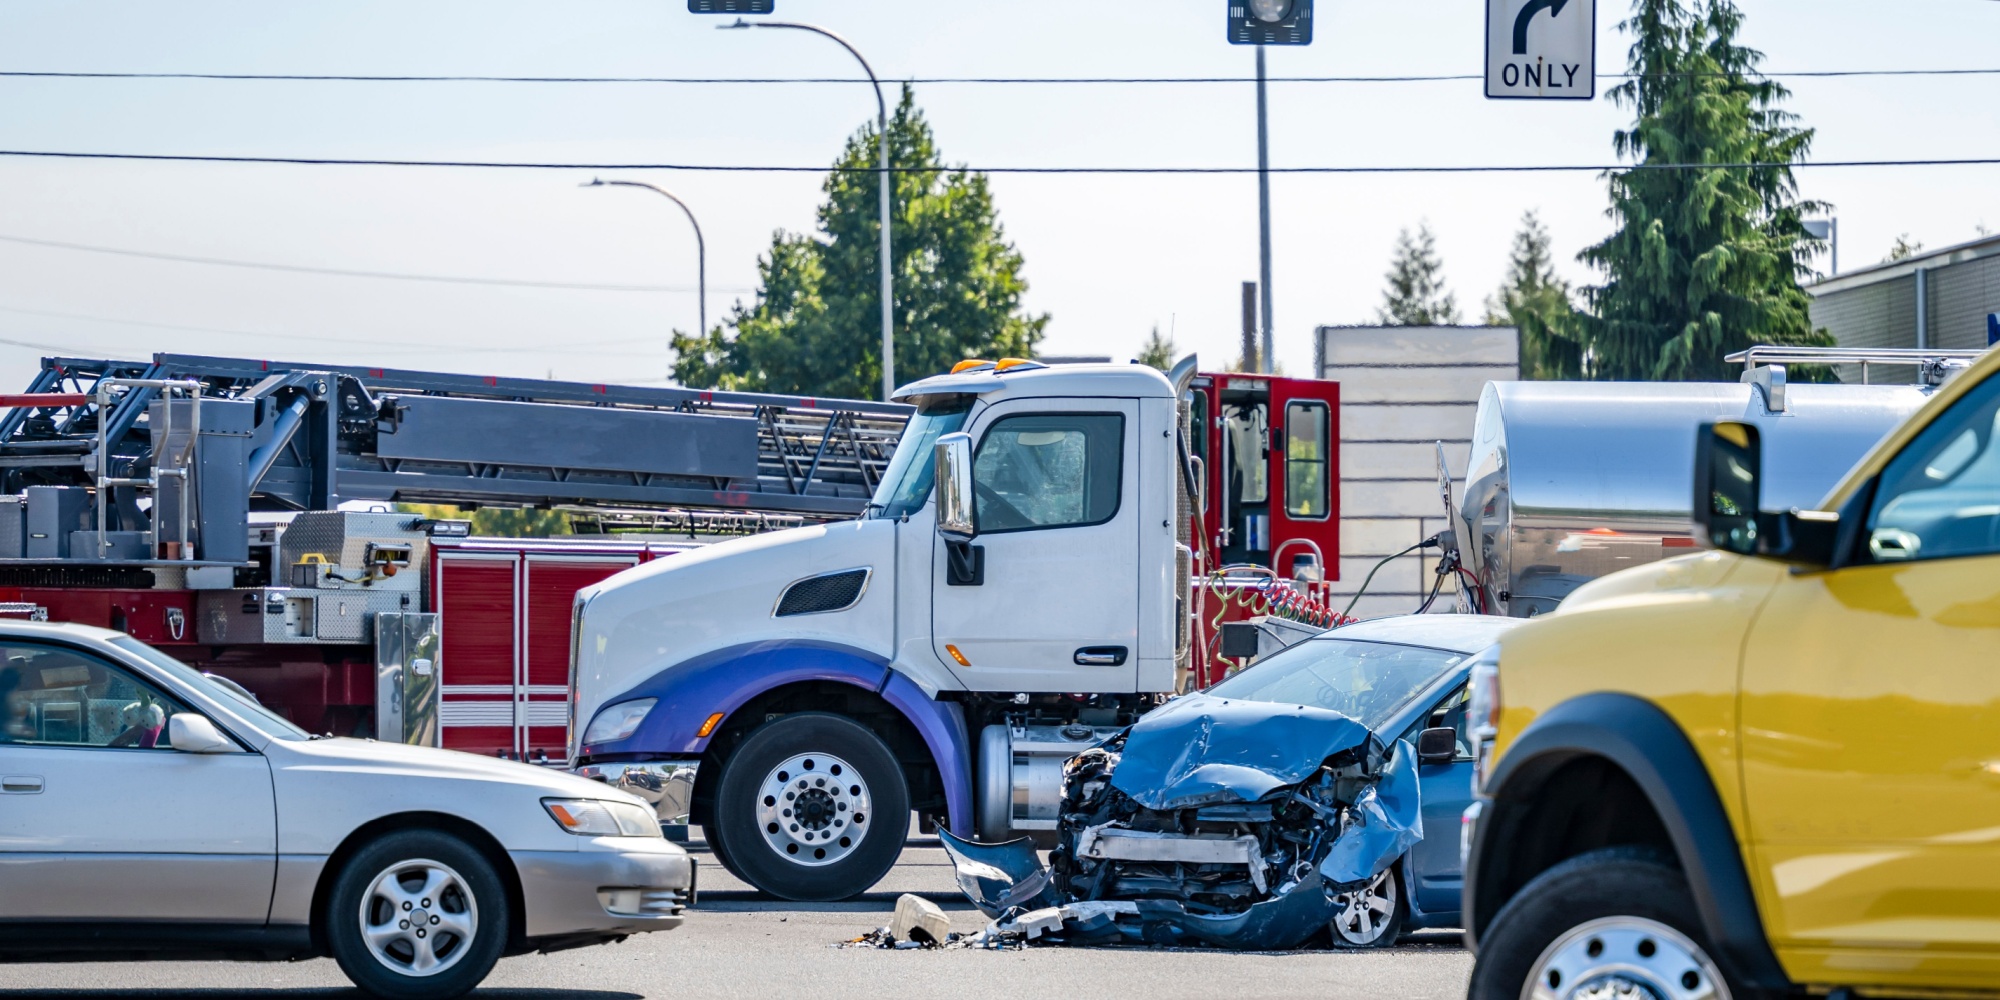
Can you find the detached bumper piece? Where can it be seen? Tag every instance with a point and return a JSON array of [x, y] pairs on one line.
[[1232, 824]]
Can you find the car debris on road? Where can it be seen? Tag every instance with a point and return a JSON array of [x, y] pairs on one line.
[[1229, 823]]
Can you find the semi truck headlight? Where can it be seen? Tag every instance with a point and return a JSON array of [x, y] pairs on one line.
[[616, 722], [599, 818], [1484, 710]]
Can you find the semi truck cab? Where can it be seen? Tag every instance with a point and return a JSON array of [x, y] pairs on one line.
[[1014, 592]]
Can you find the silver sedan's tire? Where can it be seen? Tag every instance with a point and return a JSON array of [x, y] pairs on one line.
[[417, 913]]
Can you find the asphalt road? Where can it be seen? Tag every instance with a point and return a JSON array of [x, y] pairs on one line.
[[741, 944]]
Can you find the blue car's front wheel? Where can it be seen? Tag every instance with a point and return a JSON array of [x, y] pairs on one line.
[[1371, 916]]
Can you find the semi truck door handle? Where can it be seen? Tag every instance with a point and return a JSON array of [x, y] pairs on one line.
[[21, 784], [1101, 656]]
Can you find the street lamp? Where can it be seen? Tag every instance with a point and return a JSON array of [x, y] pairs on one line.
[[1261, 23], [882, 129], [700, 246]]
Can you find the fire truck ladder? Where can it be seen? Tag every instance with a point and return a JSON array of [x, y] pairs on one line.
[[266, 435]]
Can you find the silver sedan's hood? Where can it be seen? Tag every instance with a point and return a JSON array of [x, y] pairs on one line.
[[429, 762]]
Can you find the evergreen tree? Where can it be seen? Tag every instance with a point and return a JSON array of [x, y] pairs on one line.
[[1159, 351], [816, 326], [1536, 302], [1703, 262], [1416, 295]]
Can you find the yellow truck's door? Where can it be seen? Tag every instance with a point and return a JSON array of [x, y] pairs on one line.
[[1871, 729]]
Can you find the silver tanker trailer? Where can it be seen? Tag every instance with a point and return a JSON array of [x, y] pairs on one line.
[[1569, 481]]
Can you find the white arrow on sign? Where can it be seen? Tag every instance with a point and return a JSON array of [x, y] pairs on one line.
[[1541, 50]]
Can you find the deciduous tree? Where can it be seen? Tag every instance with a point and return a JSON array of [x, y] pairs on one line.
[[815, 328], [1159, 351]]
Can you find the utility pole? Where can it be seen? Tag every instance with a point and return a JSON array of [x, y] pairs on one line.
[[1264, 213]]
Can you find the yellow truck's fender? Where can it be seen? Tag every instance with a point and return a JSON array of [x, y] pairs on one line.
[[1610, 769]]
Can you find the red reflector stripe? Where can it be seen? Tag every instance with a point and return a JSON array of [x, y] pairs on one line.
[[1677, 543]]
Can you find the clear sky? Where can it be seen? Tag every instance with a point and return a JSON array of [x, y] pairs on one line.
[[1107, 257]]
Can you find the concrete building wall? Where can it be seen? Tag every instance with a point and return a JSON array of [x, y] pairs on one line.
[[1403, 390]]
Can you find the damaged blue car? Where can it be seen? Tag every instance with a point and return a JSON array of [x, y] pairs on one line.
[[1280, 803]]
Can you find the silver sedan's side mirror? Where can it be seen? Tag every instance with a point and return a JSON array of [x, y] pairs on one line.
[[191, 733], [956, 521]]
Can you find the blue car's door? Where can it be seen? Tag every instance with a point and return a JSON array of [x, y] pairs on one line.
[[1447, 790]]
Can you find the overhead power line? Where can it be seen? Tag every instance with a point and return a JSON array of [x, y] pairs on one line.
[[1025, 80], [1505, 168], [346, 273]]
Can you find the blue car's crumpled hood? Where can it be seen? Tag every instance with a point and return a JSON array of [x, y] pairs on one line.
[[1198, 753], [1200, 750]]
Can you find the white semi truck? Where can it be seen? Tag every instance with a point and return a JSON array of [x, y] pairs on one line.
[[799, 693]]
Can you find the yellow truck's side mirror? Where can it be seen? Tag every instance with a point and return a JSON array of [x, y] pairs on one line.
[[1728, 502], [1728, 469]]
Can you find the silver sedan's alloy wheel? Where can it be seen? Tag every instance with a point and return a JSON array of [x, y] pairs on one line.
[[813, 809], [419, 918], [1624, 958], [1365, 913]]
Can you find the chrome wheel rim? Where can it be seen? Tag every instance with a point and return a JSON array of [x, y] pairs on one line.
[[419, 918], [813, 809], [1365, 913], [1624, 958]]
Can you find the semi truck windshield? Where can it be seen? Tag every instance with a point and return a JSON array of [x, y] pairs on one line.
[[906, 486]]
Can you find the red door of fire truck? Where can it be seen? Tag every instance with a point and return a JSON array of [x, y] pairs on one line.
[[548, 591], [504, 618], [1305, 478], [478, 650]]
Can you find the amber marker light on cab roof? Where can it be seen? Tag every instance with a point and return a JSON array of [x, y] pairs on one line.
[[708, 726], [956, 655], [969, 364]]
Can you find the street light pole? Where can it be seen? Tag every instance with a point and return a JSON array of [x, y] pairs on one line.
[[882, 130], [1264, 212], [700, 245]]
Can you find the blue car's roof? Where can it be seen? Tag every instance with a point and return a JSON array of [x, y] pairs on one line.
[[1459, 633]]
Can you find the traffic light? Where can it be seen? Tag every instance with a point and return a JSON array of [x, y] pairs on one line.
[[731, 6], [1270, 22]]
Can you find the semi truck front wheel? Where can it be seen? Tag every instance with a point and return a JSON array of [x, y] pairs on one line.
[[811, 807]]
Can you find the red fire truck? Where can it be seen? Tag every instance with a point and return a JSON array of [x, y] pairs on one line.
[[247, 516]]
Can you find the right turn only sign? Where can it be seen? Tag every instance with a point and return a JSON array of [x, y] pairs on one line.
[[1541, 50]]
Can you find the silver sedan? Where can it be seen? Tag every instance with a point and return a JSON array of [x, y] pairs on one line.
[[148, 811]]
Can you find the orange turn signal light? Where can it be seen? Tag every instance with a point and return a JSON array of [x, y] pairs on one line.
[[708, 727], [956, 655]]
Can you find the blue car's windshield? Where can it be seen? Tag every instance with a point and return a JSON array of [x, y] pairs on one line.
[[1367, 681], [906, 484]]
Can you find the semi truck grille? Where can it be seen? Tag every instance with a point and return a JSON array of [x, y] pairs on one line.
[[820, 594]]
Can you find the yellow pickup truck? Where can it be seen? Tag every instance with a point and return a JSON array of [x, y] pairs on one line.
[[1767, 769]]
